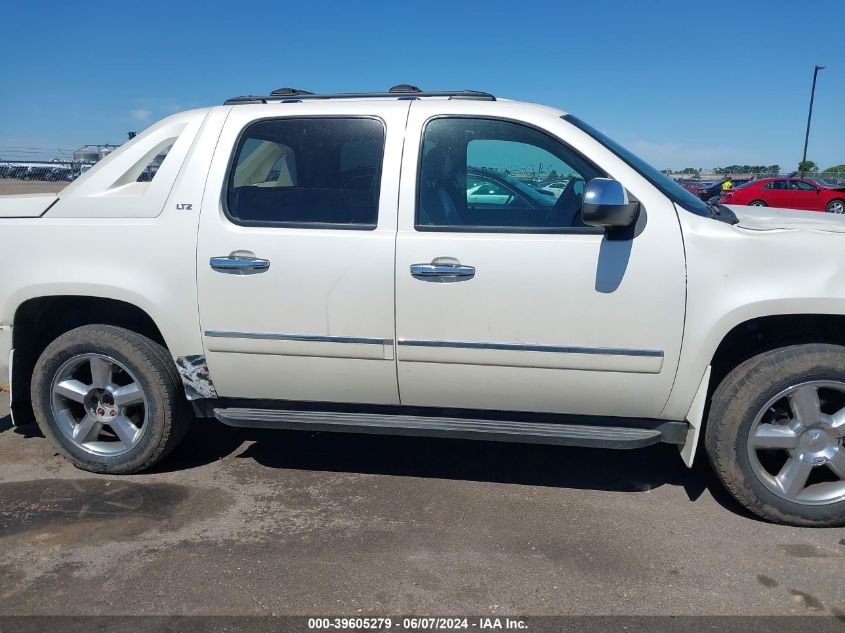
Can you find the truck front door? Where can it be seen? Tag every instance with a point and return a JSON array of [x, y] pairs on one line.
[[518, 304]]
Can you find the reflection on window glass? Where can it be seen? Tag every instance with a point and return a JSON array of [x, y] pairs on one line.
[[479, 174]]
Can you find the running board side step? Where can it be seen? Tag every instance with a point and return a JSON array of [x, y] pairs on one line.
[[587, 435]]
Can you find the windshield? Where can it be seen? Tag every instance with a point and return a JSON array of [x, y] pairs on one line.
[[666, 185]]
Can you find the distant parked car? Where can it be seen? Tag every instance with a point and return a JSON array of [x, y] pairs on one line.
[[60, 174], [555, 188], [694, 185], [488, 193], [787, 193], [30, 173], [490, 188], [148, 174], [709, 191], [18, 171], [825, 182]]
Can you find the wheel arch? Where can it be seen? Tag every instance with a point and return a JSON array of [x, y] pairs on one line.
[[741, 342], [40, 320], [834, 199], [761, 334]]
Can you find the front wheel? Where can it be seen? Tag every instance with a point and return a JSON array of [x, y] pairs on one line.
[[775, 434], [109, 399], [757, 203], [835, 206]]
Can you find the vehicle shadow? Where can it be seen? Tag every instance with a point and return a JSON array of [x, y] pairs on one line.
[[28, 430], [496, 462], [526, 464]]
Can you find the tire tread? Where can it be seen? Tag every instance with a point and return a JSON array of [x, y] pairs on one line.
[[161, 372], [733, 401]]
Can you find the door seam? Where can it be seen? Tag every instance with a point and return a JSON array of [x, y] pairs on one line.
[[396, 255]]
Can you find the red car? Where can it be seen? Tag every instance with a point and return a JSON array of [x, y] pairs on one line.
[[787, 193]]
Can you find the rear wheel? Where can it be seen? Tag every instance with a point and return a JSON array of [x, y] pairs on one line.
[[758, 203], [109, 399], [775, 434], [835, 206]]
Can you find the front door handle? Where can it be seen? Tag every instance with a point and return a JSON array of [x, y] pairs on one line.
[[442, 270], [239, 263]]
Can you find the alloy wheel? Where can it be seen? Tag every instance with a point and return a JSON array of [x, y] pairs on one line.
[[98, 404], [795, 443]]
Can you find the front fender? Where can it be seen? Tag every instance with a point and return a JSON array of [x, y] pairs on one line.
[[735, 275]]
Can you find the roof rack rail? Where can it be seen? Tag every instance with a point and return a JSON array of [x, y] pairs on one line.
[[402, 91]]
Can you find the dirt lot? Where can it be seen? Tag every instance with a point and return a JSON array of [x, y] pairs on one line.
[[248, 522], [10, 186]]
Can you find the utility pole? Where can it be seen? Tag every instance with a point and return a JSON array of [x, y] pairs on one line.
[[809, 117]]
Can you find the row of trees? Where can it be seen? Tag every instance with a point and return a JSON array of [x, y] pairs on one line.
[[803, 167], [734, 169], [810, 166]]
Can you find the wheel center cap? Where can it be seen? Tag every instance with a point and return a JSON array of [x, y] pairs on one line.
[[816, 439], [817, 446], [100, 406], [105, 412]]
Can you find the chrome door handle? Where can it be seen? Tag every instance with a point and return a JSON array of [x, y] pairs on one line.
[[239, 263], [442, 272]]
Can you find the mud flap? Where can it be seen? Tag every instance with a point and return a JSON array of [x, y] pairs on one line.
[[695, 419]]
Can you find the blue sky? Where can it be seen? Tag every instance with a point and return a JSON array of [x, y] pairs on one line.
[[680, 83]]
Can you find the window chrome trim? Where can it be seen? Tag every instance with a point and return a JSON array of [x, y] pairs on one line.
[[518, 347], [312, 338]]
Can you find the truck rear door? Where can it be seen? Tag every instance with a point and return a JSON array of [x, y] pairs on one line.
[[296, 251]]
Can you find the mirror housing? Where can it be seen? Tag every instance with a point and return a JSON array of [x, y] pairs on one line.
[[606, 205]]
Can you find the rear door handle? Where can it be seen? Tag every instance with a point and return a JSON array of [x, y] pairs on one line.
[[442, 272], [239, 263]]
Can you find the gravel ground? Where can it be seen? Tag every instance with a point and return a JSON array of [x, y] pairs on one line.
[[254, 522]]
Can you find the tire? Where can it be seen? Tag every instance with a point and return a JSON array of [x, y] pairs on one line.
[[757, 203], [119, 420], [760, 396], [835, 206]]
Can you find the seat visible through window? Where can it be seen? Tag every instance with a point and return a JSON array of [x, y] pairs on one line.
[[312, 172]]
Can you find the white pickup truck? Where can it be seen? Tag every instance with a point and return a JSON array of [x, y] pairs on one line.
[[301, 261]]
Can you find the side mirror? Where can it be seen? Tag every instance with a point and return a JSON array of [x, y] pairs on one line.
[[606, 205]]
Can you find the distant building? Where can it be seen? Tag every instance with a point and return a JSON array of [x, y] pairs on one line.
[[92, 153]]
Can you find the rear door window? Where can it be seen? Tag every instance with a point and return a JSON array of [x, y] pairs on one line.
[[307, 172]]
